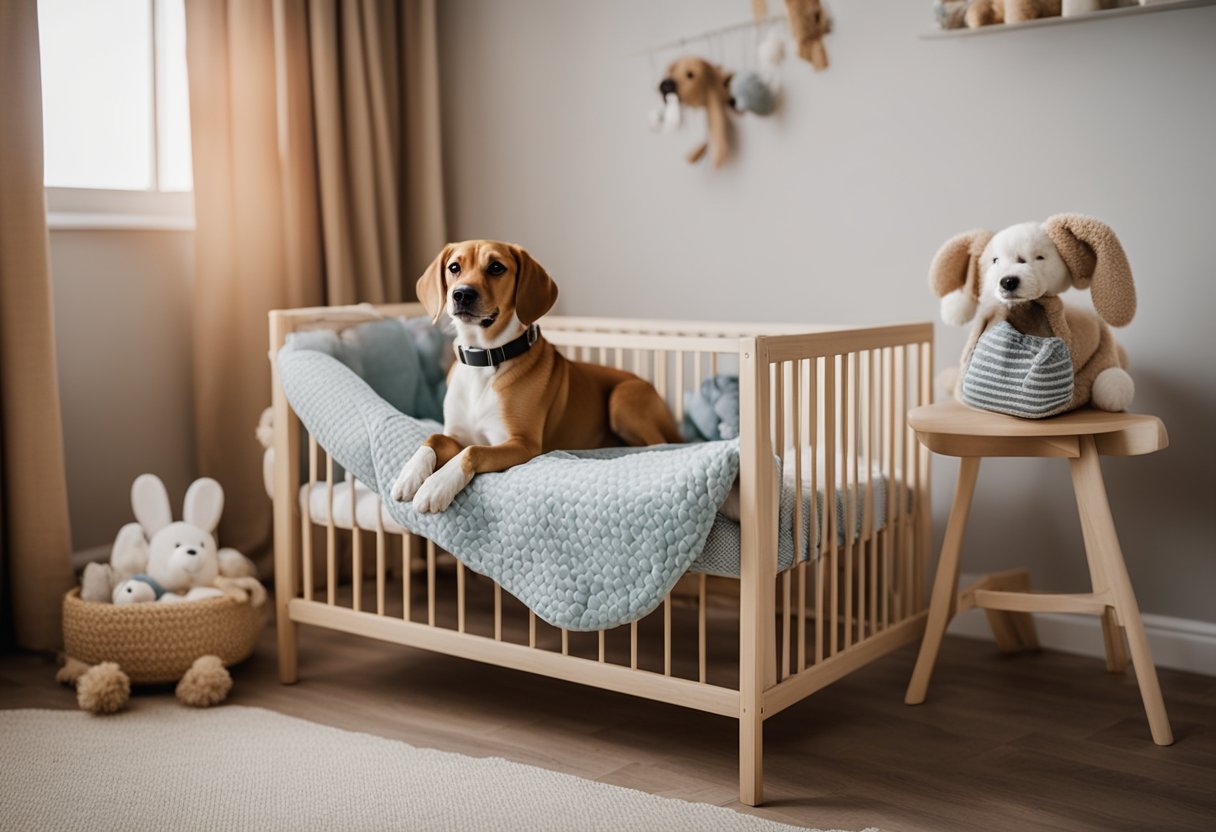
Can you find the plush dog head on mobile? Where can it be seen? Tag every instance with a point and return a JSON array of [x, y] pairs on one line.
[[698, 83], [488, 288], [1031, 260]]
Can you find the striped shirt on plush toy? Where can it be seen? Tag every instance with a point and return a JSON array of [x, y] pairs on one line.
[[1021, 375]]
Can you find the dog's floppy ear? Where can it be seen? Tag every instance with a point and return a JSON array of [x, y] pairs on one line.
[[432, 287], [535, 291], [954, 275], [1095, 260]]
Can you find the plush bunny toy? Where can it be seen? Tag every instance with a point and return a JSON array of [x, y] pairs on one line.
[[1013, 280], [157, 559]]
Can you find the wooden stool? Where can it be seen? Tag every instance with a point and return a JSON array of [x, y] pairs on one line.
[[1082, 436]]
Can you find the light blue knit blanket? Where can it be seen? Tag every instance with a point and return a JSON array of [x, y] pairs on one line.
[[588, 540]]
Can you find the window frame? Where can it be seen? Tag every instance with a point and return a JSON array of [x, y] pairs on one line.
[[88, 209]]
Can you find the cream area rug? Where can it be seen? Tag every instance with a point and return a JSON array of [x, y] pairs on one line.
[[165, 767]]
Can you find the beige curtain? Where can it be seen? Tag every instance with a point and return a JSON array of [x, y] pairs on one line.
[[35, 540], [317, 179]]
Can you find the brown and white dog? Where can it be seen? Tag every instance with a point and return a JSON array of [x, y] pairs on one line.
[[511, 396]]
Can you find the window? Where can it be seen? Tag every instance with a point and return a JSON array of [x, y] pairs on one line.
[[116, 119]]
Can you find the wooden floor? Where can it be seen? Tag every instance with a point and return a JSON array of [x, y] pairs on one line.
[[1042, 741]]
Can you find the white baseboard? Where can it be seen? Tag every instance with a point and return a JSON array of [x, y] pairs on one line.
[[1178, 643]]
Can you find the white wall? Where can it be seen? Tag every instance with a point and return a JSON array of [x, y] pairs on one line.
[[833, 208], [123, 336]]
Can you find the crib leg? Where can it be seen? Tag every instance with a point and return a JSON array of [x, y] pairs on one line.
[[287, 535], [751, 754]]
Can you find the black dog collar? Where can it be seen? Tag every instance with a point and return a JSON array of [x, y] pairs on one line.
[[477, 357]]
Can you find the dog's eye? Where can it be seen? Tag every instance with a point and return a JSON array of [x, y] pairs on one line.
[[691, 74], [1021, 259], [1039, 257], [454, 268], [495, 269]]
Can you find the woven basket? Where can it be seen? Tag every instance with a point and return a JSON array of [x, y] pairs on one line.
[[158, 642]]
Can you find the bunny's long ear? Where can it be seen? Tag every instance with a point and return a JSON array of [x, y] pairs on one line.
[[535, 291], [954, 275], [1095, 259], [432, 287], [204, 504], [150, 502]]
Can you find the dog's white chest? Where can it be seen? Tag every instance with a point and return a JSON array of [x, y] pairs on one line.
[[472, 412]]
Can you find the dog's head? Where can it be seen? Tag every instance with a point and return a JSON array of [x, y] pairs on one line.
[[487, 287], [1031, 260], [695, 81]]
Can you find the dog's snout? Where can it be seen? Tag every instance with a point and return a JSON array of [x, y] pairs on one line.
[[667, 86], [464, 295], [1010, 283]]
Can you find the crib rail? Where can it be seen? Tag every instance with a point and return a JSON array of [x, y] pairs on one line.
[[823, 407]]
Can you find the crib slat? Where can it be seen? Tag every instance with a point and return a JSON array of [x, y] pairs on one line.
[[633, 645], [667, 635], [565, 642], [602, 646], [815, 541], [846, 440], [660, 373], [459, 596], [888, 583], [923, 499], [380, 559], [497, 612], [306, 518], [356, 549], [430, 582], [901, 429], [856, 552], [331, 534], [406, 563], [701, 622], [829, 500], [873, 456], [531, 628], [696, 371], [796, 400], [679, 395], [875, 387]]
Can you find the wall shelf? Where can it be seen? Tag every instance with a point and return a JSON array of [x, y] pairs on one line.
[[1124, 11]]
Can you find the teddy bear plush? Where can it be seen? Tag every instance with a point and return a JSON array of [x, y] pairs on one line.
[[1029, 354], [988, 12]]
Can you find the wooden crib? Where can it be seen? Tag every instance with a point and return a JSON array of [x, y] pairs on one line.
[[823, 398]]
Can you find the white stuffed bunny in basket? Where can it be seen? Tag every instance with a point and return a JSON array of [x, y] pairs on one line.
[[157, 559]]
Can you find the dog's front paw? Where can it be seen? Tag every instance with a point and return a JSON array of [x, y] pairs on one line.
[[413, 474], [1113, 390], [437, 493]]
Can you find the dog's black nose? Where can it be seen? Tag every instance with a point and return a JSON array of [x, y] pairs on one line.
[[192, 551], [464, 295], [1010, 283], [667, 86]]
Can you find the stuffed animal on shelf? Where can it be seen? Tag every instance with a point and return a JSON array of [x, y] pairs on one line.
[[698, 83], [988, 12], [1029, 354], [808, 24], [157, 559]]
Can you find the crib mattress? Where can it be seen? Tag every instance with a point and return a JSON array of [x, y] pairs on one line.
[[722, 552]]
